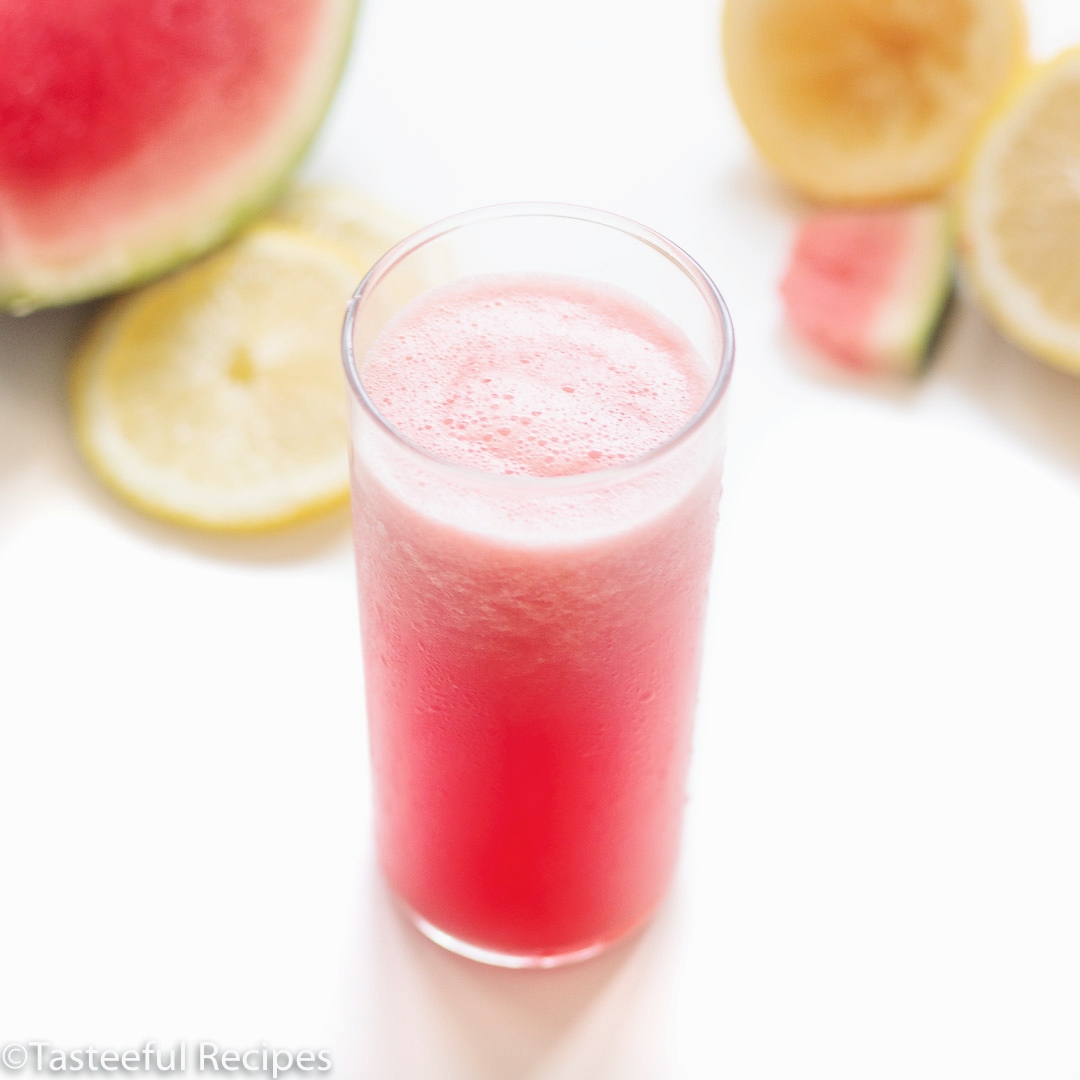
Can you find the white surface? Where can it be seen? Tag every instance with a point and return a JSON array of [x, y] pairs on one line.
[[882, 865]]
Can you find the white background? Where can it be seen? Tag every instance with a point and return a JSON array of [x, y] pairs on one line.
[[882, 867]]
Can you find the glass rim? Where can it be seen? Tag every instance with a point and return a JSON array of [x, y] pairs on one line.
[[567, 211]]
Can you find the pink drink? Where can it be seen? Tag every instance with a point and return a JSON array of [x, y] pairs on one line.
[[532, 662]]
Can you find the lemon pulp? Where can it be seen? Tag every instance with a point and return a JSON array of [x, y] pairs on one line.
[[863, 101], [215, 397]]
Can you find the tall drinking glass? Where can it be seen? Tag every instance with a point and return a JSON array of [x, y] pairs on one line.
[[532, 597]]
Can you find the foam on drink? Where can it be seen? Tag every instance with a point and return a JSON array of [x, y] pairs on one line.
[[530, 374]]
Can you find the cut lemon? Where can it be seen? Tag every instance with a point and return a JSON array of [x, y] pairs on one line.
[[215, 397], [345, 217], [365, 229], [1021, 214], [864, 101]]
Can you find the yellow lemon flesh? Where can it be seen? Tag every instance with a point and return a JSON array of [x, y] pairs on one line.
[[341, 216], [215, 397], [869, 101], [1021, 214]]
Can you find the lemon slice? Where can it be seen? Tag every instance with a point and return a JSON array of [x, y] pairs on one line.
[[862, 101], [215, 397], [1021, 214], [343, 216]]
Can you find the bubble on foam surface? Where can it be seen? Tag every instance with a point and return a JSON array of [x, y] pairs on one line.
[[534, 374]]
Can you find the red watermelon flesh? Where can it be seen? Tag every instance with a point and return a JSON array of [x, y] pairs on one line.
[[135, 133], [869, 287]]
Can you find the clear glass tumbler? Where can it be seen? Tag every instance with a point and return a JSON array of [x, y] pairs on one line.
[[532, 644]]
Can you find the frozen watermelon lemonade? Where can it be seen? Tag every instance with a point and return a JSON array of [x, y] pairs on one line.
[[537, 441]]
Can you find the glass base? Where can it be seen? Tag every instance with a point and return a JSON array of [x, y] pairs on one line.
[[524, 961]]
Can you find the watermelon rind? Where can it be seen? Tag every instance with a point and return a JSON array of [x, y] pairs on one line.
[[908, 324], [218, 208]]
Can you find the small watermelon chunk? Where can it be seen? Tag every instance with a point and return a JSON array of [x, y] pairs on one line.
[[871, 287]]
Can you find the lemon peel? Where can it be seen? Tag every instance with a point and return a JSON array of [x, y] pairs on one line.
[[1020, 213], [863, 102]]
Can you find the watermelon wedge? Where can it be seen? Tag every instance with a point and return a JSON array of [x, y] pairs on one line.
[[135, 134], [870, 287]]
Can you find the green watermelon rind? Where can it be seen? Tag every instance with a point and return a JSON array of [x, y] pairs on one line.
[[922, 307], [28, 288]]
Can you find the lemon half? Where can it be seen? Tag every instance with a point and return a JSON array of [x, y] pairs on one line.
[[865, 101], [1021, 214], [215, 397]]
